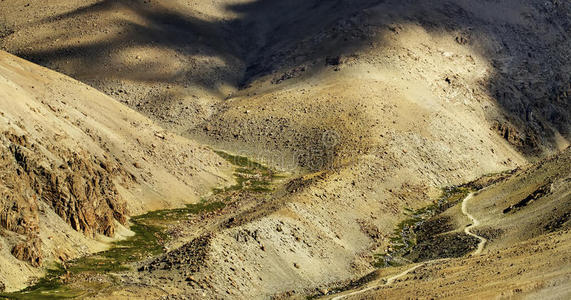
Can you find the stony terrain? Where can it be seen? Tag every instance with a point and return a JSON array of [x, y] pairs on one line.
[[535, 237], [369, 108], [76, 164]]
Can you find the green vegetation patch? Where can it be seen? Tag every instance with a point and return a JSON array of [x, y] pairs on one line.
[[249, 175], [150, 236], [404, 236]]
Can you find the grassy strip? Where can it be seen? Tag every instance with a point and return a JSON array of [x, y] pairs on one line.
[[250, 175], [150, 235]]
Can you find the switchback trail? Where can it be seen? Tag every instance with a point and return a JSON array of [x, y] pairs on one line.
[[474, 223], [392, 279]]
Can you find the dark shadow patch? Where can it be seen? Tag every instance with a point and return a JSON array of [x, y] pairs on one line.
[[558, 222], [443, 246], [530, 76], [434, 226], [489, 233], [191, 257], [341, 286], [541, 192]]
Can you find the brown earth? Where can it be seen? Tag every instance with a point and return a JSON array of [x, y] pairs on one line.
[[373, 106], [71, 155], [525, 255]]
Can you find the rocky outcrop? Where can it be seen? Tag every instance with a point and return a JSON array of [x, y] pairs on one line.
[[540, 192], [75, 162], [526, 142], [191, 257], [84, 196], [29, 251], [78, 187], [18, 207]]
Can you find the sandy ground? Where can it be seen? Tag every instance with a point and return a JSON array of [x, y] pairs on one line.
[[522, 257], [57, 113], [374, 106]]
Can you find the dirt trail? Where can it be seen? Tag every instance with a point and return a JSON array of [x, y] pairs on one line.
[[474, 223], [392, 279]]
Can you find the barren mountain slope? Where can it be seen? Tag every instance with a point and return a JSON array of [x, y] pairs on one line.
[[375, 105], [175, 60], [526, 221], [169, 59], [72, 155], [387, 124]]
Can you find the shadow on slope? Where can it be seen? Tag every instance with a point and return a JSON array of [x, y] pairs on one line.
[[167, 43]]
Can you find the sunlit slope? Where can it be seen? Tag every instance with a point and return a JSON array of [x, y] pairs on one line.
[[77, 163]]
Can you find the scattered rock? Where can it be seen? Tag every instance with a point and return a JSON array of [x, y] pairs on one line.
[[333, 61], [189, 258], [160, 135], [540, 192]]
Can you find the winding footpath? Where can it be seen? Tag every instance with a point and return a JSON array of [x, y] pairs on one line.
[[474, 223], [392, 279]]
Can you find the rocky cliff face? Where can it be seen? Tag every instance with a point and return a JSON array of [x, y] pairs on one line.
[[77, 186]]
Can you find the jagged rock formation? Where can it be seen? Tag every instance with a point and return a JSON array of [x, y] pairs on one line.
[[525, 142], [29, 251], [80, 189]]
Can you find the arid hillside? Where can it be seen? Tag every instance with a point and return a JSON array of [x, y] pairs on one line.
[[176, 60], [76, 164], [525, 220], [356, 112]]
